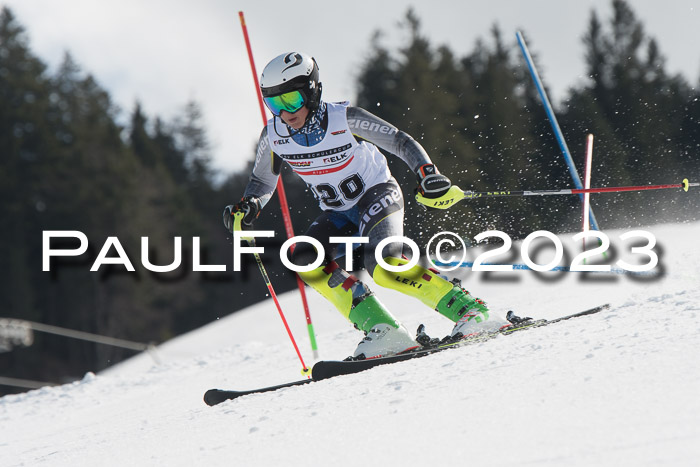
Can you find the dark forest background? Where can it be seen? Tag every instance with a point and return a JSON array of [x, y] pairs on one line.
[[67, 164]]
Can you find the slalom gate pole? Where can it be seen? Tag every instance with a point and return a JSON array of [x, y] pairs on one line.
[[587, 184], [587, 196], [553, 120], [456, 194], [284, 206], [238, 218]]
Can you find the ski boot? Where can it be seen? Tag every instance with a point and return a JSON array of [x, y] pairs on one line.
[[448, 298], [384, 336], [470, 314]]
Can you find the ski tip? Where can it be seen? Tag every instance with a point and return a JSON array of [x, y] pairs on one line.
[[686, 184], [212, 397]]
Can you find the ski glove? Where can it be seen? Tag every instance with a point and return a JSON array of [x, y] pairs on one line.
[[431, 183], [249, 206]]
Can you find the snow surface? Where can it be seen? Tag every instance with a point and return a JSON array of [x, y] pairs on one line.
[[617, 388]]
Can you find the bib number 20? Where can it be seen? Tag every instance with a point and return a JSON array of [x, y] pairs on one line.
[[350, 188]]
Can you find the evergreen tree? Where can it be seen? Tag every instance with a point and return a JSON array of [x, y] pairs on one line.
[[24, 93], [474, 116], [635, 110], [65, 166]]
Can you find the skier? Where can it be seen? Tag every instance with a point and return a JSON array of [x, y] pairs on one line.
[[333, 147]]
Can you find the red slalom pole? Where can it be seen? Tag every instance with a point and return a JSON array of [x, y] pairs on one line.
[[284, 206]]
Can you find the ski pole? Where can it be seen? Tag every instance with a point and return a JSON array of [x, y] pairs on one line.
[[238, 218], [284, 206], [456, 194]]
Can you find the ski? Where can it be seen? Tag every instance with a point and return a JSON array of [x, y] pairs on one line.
[[325, 369], [217, 396], [330, 368]]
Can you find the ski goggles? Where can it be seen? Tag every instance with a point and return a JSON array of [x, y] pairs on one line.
[[289, 101]]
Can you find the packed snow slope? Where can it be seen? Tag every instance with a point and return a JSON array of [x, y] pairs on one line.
[[619, 388]]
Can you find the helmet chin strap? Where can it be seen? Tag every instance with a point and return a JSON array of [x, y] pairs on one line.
[[291, 133]]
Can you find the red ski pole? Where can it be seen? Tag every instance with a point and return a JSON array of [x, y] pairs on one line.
[[455, 194], [237, 221]]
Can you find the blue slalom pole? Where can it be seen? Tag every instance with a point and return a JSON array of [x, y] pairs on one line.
[[553, 121]]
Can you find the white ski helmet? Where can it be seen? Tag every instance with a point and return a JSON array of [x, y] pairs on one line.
[[287, 73]]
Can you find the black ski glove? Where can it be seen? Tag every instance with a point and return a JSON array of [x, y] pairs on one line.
[[250, 206], [431, 183]]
